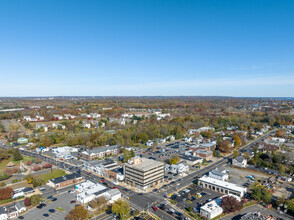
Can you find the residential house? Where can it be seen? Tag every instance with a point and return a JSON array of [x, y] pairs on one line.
[[40, 126], [22, 140], [268, 147], [57, 117], [219, 173], [205, 154], [188, 139], [177, 168], [69, 116], [171, 138], [3, 214], [13, 209], [58, 126], [239, 161], [86, 124], [161, 140], [95, 115], [149, 143]]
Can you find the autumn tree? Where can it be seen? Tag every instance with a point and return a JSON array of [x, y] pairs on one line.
[[237, 141], [279, 133], [78, 213], [175, 159], [6, 193], [121, 208], [230, 204], [99, 203], [27, 201], [224, 146]]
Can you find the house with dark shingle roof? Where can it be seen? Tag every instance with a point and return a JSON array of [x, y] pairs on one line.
[[239, 161]]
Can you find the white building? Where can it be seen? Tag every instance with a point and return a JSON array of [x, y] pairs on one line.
[[220, 174], [3, 214], [69, 116], [27, 118], [58, 117], [58, 125], [188, 139], [213, 209], [95, 115], [177, 168], [86, 124], [239, 161], [171, 138], [221, 186], [89, 191], [64, 152], [149, 143], [44, 126]]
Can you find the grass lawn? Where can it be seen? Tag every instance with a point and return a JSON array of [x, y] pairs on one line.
[[10, 159], [55, 173]]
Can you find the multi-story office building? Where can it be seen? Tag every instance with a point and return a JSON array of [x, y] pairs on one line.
[[143, 173]]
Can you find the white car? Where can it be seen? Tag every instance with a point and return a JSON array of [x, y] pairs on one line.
[[42, 188], [171, 210], [115, 183]]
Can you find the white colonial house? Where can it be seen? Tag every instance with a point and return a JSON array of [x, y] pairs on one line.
[[239, 161]]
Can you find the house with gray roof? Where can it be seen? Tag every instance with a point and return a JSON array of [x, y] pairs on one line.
[[219, 173], [239, 161]]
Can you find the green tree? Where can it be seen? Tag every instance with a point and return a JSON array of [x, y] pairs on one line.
[[266, 196], [237, 141], [16, 155], [281, 169], [256, 192], [235, 154], [121, 208], [35, 199]]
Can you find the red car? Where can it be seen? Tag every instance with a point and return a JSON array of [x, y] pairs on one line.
[[103, 181], [144, 152], [115, 187], [72, 201], [155, 208]]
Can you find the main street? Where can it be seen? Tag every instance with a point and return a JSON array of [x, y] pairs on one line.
[[144, 201]]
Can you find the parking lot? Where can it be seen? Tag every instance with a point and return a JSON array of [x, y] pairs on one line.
[[194, 196], [63, 201], [240, 176]]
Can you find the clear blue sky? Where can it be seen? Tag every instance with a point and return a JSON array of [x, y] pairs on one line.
[[151, 47]]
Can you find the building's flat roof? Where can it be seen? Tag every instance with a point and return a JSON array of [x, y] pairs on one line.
[[146, 164], [212, 206], [65, 178], [224, 184]]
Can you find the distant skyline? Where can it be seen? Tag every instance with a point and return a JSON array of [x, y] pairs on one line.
[[147, 48]]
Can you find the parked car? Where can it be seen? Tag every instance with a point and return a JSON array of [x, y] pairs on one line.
[[72, 201], [53, 199], [155, 208], [51, 210], [46, 215]]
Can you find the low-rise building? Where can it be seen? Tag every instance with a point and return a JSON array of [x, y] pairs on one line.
[[64, 152], [89, 191], [3, 214], [13, 210], [22, 140], [213, 209], [239, 161], [100, 152], [58, 126], [40, 126], [143, 173], [57, 117], [177, 168], [205, 154], [221, 186], [219, 173], [191, 160], [64, 181], [86, 124], [149, 143]]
